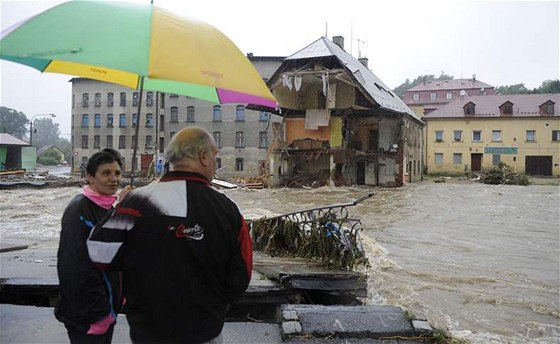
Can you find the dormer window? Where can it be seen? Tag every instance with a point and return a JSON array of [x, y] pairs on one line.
[[547, 108], [506, 109], [469, 109]]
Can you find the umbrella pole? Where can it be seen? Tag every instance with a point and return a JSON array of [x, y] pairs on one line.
[[135, 142]]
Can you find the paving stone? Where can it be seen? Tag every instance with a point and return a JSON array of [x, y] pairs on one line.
[[289, 315], [352, 321], [291, 327], [422, 328]]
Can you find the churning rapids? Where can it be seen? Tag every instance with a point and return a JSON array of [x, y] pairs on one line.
[[481, 261]]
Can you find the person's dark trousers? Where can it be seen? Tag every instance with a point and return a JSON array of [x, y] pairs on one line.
[[80, 337]]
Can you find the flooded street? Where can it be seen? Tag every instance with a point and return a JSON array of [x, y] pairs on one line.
[[481, 261]]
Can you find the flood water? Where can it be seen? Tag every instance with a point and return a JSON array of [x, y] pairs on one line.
[[480, 261]]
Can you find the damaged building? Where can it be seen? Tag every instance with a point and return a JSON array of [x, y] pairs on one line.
[[341, 124]]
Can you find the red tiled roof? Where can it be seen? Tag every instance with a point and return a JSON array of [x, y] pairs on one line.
[[455, 84], [524, 105]]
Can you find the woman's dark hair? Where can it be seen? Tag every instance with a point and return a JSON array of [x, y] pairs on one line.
[[105, 156]]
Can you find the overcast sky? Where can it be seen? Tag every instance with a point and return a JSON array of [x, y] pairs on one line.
[[502, 42]]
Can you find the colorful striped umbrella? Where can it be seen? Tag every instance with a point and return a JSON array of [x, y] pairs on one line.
[[128, 43], [136, 45]]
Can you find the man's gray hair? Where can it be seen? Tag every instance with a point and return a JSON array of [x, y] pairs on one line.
[[187, 143]]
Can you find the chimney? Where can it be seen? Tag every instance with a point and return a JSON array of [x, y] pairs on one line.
[[339, 40], [364, 61], [473, 78]]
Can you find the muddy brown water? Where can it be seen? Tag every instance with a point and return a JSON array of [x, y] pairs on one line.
[[480, 261]]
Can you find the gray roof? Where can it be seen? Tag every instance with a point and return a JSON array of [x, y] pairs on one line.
[[455, 84], [9, 140], [376, 89], [524, 105]]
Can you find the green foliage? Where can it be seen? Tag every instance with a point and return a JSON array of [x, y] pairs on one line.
[[402, 88], [13, 122], [50, 157], [66, 147], [45, 132], [317, 241], [547, 86], [503, 174]]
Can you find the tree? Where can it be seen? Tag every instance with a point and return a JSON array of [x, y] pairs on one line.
[[402, 88], [45, 132], [13, 122], [512, 89], [66, 147], [549, 86]]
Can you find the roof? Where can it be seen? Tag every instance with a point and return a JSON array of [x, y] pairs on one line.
[[524, 105], [46, 148], [455, 84], [9, 140], [376, 89]]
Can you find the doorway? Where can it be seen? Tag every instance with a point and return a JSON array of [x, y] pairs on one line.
[[476, 162]]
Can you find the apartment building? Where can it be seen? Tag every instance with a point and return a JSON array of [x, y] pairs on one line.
[[431, 95], [105, 115], [476, 133]]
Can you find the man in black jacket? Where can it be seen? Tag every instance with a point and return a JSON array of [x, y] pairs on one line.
[[185, 248]]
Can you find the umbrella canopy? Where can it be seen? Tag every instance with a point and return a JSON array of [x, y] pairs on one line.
[[135, 44]]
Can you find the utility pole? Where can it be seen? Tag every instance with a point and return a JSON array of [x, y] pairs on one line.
[[31, 125]]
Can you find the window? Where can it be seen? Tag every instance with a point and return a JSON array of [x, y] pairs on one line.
[[439, 135], [122, 142], [149, 120], [109, 141], [85, 120], [123, 99], [477, 135], [98, 99], [469, 108], [217, 114], [433, 96], [110, 120], [239, 140], [264, 116], [134, 119], [549, 109], [161, 122], [97, 120], [239, 164], [84, 141], [457, 135], [122, 120], [415, 96], [85, 100], [174, 114], [110, 99], [73, 100], [530, 135], [149, 141], [556, 135], [496, 135], [149, 98], [448, 95], [457, 158], [496, 158], [438, 157], [506, 108], [263, 139], [96, 141], [218, 138], [135, 99], [240, 113], [218, 163], [173, 95], [190, 113]]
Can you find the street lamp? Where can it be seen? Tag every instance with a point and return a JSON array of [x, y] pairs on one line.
[[31, 125]]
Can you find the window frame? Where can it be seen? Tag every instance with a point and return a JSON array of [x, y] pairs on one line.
[[494, 139], [85, 120], [436, 132], [534, 134], [438, 158], [457, 158], [217, 113], [239, 139], [457, 135], [479, 134]]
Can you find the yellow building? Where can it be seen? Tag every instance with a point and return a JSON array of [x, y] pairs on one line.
[[476, 133]]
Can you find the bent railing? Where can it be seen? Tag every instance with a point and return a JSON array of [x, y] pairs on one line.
[[327, 235]]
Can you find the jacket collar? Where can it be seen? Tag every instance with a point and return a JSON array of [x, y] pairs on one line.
[[182, 175]]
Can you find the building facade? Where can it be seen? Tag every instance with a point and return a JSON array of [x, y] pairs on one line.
[[105, 115], [342, 125], [431, 95], [476, 133]]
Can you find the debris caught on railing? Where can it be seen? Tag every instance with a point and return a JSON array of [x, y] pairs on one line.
[[326, 235]]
